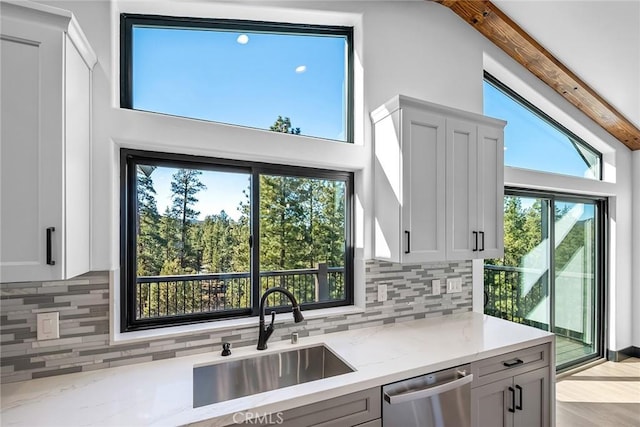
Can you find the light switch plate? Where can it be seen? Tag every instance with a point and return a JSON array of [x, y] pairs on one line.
[[435, 287], [454, 285], [48, 325], [382, 292]]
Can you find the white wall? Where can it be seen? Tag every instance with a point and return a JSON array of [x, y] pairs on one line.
[[636, 249], [416, 48]]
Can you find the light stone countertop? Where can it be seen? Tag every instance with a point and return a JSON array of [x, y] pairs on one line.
[[160, 393]]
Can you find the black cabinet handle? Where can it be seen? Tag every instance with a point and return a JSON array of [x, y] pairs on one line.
[[482, 240], [512, 363], [513, 399], [408, 234], [50, 261], [475, 247], [519, 405]]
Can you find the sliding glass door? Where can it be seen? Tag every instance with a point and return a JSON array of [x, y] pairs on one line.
[[575, 273], [551, 276]]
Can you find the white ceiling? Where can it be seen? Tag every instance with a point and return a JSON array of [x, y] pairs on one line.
[[599, 40]]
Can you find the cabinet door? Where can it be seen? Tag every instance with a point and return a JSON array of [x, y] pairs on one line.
[[31, 157], [490, 211], [532, 399], [423, 192], [490, 404], [462, 231]]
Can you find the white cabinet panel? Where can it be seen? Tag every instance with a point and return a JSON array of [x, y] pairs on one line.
[[461, 189], [424, 194], [532, 399], [20, 188], [491, 191], [409, 186], [45, 107], [490, 405]]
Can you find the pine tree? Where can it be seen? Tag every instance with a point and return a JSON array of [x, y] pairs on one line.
[[185, 184], [149, 242], [283, 125]]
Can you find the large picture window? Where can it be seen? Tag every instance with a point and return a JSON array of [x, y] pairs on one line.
[[296, 78], [203, 238], [535, 141]]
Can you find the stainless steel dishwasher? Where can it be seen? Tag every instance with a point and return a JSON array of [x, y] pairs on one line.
[[439, 399]]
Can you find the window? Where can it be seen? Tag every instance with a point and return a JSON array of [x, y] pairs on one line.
[[203, 238], [296, 78], [533, 140]]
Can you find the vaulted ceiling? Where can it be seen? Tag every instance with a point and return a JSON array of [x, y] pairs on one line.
[[587, 50]]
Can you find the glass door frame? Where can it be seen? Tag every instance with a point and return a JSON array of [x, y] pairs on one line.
[[601, 216]]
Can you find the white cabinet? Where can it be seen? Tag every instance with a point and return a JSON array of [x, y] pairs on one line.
[[513, 390], [409, 186], [46, 142], [438, 183]]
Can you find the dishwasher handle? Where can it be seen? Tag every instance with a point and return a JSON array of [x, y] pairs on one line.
[[427, 392]]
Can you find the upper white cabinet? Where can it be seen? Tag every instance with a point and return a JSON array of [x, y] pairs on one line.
[[438, 183], [46, 142]]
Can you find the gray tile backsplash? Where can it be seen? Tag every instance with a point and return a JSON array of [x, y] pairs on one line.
[[83, 304]]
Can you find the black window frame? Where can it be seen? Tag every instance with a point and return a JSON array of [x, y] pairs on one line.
[[573, 138], [129, 158], [128, 21]]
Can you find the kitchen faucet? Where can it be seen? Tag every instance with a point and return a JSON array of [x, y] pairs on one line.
[[265, 333]]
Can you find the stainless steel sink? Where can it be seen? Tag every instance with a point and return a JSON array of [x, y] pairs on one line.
[[236, 378]]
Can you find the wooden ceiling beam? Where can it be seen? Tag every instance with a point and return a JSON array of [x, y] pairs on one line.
[[489, 20]]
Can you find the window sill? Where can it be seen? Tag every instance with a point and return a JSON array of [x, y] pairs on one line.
[[223, 325]]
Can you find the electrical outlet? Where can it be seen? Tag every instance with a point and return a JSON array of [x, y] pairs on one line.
[[435, 287], [48, 326], [382, 292], [454, 285]]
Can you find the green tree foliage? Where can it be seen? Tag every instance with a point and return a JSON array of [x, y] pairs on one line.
[[519, 288], [185, 184], [283, 125], [149, 243], [523, 231]]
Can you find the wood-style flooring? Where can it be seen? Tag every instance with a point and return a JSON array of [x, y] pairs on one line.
[[605, 395]]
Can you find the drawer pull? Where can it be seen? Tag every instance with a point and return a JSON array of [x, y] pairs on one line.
[[512, 363]]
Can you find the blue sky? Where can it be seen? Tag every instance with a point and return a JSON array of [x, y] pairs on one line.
[[242, 78], [223, 192], [530, 142]]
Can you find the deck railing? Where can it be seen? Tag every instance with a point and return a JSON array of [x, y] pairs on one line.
[[162, 296], [513, 292]]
